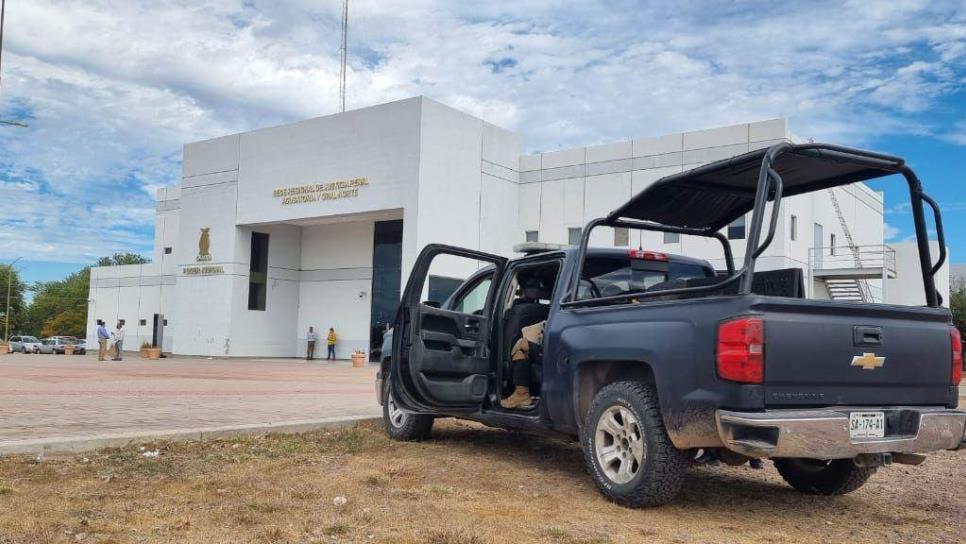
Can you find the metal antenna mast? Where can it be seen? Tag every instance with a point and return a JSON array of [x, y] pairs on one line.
[[3, 9], [344, 51]]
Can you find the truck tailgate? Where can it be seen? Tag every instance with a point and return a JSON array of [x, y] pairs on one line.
[[831, 353]]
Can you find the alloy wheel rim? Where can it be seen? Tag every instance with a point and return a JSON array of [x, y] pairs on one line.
[[396, 416], [619, 444]]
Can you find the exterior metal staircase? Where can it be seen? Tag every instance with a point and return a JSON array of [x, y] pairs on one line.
[[861, 285], [845, 289], [846, 271]]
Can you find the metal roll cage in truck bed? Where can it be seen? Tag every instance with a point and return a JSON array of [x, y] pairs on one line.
[[703, 200]]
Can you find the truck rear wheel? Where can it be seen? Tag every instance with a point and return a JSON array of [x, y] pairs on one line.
[[817, 477], [627, 449], [401, 425]]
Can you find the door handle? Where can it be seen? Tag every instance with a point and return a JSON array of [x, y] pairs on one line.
[[866, 335]]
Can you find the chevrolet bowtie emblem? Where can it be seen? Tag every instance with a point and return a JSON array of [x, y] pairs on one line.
[[868, 361]]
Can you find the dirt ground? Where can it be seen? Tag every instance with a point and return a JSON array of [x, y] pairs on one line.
[[468, 485]]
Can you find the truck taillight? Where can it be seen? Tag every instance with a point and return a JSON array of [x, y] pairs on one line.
[[957, 342], [646, 255], [741, 350]]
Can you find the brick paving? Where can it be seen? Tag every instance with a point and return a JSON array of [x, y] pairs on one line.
[[67, 397], [57, 397]]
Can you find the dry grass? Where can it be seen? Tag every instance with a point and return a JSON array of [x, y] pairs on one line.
[[469, 485]]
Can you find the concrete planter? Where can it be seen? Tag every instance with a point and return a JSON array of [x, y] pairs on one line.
[[151, 353], [68, 350], [358, 360], [4, 348]]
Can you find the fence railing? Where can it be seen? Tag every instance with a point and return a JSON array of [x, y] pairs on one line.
[[856, 257]]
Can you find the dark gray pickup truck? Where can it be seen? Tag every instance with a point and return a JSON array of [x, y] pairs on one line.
[[652, 360]]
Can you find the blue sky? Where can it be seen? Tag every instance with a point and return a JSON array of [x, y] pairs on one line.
[[112, 90]]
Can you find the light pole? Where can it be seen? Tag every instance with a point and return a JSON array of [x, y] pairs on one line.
[[3, 10], [6, 316]]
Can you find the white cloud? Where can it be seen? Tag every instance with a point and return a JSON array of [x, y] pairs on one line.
[[114, 89], [889, 232]]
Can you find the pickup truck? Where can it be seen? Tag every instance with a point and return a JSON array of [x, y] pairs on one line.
[[652, 360]]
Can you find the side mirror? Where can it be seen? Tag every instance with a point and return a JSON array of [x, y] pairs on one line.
[[432, 303]]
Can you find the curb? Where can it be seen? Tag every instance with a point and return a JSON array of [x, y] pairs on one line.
[[52, 445]]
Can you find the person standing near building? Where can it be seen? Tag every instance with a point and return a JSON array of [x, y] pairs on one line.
[[102, 338], [330, 340], [311, 338], [118, 335]]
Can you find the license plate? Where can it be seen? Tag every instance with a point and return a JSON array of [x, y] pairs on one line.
[[864, 425]]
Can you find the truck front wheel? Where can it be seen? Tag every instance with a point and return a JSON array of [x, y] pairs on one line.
[[817, 477], [627, 449], [401, 425]]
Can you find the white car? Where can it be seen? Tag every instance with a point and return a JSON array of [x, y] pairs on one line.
[[24, 344]]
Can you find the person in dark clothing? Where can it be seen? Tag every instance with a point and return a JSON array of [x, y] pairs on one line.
[[520, 360], [525, 320]]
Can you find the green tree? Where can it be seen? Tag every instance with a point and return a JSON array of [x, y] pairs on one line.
[[122, 259], [18, 314], [957, 304], [60, 307]]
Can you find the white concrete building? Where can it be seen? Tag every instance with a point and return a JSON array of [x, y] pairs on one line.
[[318, 222]]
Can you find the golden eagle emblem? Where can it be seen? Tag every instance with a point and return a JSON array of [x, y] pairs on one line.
[[204, 243]]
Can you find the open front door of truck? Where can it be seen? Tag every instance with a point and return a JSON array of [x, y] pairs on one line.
[[441, 355]]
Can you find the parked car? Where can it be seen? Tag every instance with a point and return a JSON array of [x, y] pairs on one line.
[[24, 344], [59, 342], [653, 360], [46, 346]]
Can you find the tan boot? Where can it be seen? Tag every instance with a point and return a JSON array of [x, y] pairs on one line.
[[519, 399]]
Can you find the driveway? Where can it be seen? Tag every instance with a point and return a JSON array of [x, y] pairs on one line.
[[57, 397]]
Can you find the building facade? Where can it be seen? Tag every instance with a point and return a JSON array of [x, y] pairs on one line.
[[317, 223]]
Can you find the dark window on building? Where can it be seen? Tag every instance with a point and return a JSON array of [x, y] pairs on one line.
[[736, 230], [165, 322], [167, 251], [386, 275], [573, 236], [142, 322], [794, 228], [831, 243], [533, 236], [258, 272], [622, 237], [671, 237]]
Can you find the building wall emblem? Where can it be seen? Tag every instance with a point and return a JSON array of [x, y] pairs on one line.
[[204, 243]]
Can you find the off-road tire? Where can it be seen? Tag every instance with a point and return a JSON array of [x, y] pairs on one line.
[[837, 477], [413, 428], [659, 478]]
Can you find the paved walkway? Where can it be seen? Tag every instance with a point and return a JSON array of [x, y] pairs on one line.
[[55, 397]]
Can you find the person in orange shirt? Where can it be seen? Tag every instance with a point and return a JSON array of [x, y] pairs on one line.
[[330, 340]]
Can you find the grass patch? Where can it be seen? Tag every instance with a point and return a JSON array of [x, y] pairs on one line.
[[467, 485], [336, 529], [451, 536]]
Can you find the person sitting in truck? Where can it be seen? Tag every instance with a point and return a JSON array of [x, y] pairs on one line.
[[525, 313], [520, 361]]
